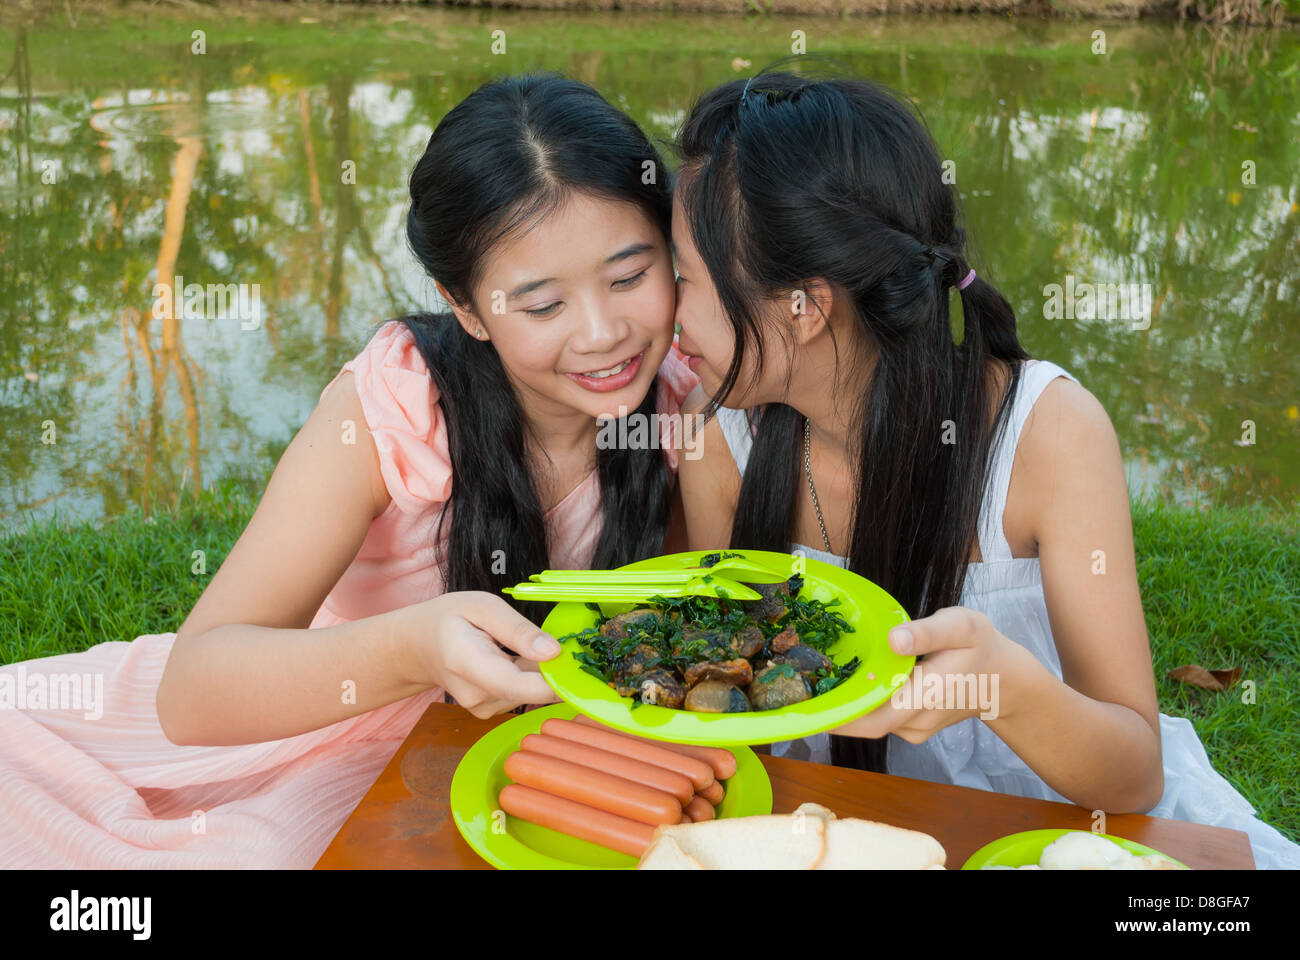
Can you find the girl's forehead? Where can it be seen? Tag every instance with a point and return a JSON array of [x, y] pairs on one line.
[[583, 233]]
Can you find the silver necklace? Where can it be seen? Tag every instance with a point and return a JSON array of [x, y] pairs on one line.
[[807, 469]]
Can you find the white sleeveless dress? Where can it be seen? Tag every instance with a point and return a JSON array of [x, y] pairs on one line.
[[1009, 591]]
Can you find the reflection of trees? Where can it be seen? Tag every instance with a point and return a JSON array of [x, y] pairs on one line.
[[1050, 190], [195, 226], [38, 361], [1162, 203], [347, 214], [173, 349]]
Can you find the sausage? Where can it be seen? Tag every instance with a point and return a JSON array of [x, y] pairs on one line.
[[700, 809], [576, 819], [617, 764], [595, 788], [712, 793], [697, 771], [722, 761]]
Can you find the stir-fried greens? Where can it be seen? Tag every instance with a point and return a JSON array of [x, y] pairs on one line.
[[718, 655]]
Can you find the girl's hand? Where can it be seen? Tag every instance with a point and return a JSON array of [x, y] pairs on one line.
[[966, 665], [455, 642]]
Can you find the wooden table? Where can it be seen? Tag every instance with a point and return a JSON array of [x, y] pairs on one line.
[[404, 820]]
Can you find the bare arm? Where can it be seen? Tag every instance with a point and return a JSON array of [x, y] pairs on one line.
[[710, 484], [1094, 737], [244, 667]]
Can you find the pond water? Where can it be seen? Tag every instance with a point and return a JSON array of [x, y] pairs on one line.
[[1165, 166]]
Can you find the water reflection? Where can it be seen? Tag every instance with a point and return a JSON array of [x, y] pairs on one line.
[[280, 158]]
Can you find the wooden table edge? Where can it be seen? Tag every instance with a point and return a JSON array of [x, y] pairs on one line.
[[389, 828]]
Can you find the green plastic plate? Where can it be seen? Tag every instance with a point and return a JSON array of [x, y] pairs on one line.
[[509, 843], [1022, 849], [868, 609]]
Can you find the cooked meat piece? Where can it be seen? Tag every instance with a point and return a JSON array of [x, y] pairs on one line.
[[784, 640], [639, 659], [777, 690], [661, 688], [737, 672], [709, 644], [714, 696], [616, 628], [772, 607], [804, 658], [747, 643]]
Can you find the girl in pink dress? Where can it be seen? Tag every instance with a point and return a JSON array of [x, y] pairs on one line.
[[454, 455]]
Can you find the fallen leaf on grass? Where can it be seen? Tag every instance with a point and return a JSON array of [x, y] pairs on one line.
[[1198, 676]]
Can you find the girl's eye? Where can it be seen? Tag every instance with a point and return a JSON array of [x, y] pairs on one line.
[[544, 311], [630, 281]]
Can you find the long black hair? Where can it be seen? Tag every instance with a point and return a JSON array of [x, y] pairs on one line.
[[505, 156], [794, 179]]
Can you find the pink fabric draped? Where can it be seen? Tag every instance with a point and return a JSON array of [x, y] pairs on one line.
[[111, 791]]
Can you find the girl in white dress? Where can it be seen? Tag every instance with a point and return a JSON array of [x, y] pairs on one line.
[[817, 247]]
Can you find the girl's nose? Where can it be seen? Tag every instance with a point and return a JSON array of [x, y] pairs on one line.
[[601, 329]]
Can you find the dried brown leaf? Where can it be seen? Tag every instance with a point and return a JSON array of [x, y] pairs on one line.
[[1198, 676]]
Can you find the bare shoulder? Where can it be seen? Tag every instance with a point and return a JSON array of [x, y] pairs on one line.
[[340, 409], [1068, 469], [1066, 418]]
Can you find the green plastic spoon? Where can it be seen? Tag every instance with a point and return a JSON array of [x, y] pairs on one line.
[[705, 585]]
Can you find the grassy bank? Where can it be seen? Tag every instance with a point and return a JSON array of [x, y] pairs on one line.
[[1236, 12], [1221, 589], [1253, 12]]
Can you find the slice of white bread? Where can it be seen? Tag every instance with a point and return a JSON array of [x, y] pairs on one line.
[[763, 842], [855, 844], [868, 845], [665, 854], [810, 838]]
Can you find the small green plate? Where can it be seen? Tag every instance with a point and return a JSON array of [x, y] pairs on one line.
[[868, 609], [1022, 849], [519, 845]]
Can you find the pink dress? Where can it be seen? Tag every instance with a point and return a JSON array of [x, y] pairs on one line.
[[111, 791]]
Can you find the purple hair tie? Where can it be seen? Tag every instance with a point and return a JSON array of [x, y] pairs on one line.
[[967, 282]]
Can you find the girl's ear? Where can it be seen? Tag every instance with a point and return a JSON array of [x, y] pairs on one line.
[[464, 317], [810, 309]]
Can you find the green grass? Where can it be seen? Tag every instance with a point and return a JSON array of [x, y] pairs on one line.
[[1221, 587]]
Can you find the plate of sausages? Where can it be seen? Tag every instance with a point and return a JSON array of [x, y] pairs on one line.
[[811, 655], [552, 789]]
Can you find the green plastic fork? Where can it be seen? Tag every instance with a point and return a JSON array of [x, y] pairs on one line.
[[622, 589], [737, 569]]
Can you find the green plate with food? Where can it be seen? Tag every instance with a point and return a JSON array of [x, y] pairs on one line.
[[811, 655], [1080, 850], [510, 842]]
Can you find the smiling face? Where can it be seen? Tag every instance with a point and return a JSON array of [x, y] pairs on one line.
[[707, 337], [579, 308]]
